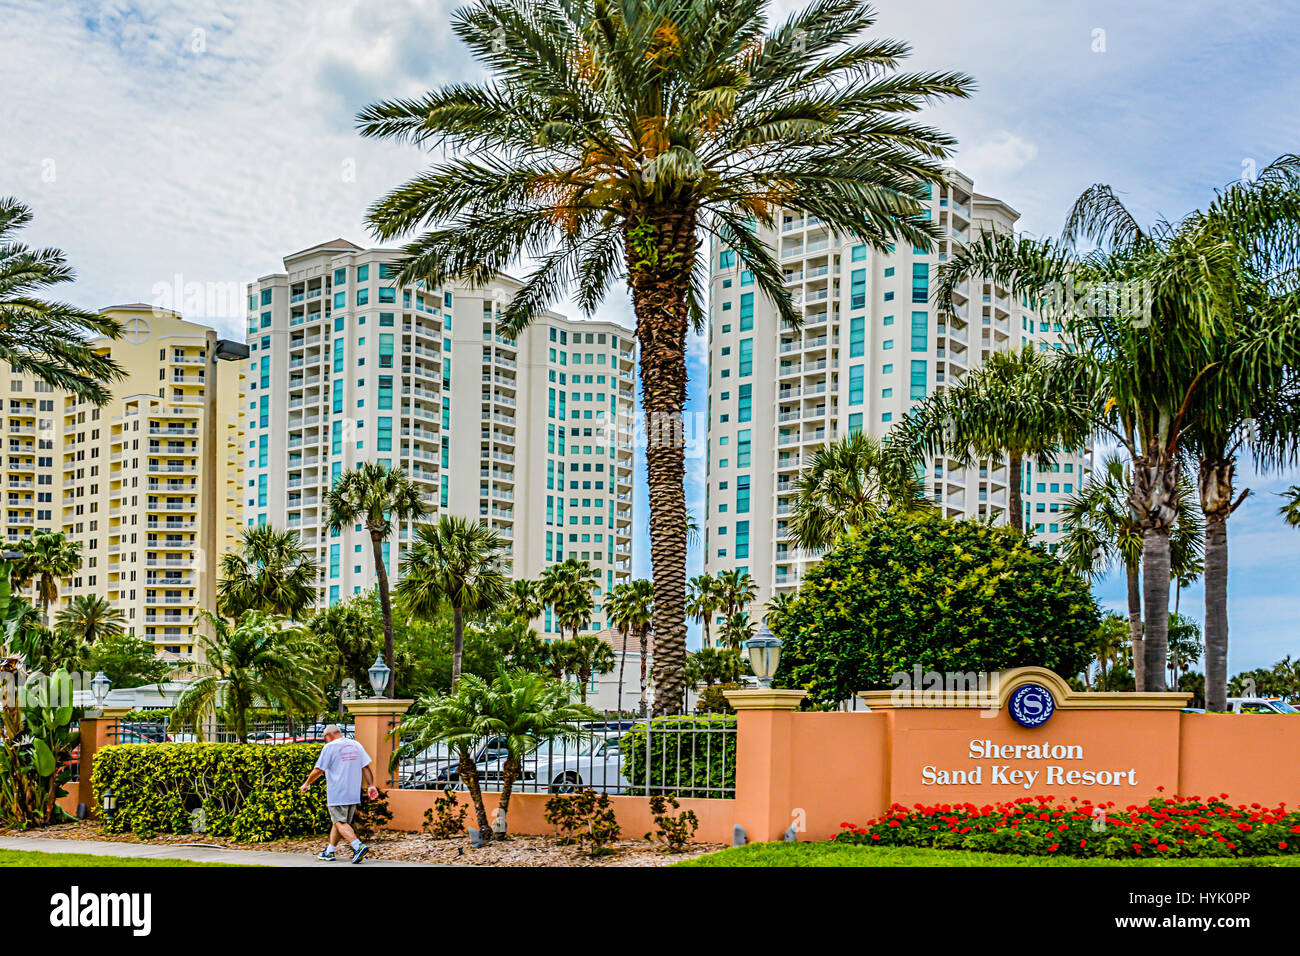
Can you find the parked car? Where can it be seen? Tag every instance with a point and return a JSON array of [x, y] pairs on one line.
[[559, 767], [157, 732], [1260, 705]]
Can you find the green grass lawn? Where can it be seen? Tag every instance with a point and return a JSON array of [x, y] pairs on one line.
[[34, 858], [839, 854]]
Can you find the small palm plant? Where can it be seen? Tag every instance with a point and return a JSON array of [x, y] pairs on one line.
[[592, 656], [523, 605], [457, 561], [847, 484], [90, 617], [631, 610], [260, 659], [703, 597], [272, 572], [49, 340], [566, 589], [375, 497]]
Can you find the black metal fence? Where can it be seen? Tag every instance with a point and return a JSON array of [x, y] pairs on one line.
[[685, 757], [309, 730]]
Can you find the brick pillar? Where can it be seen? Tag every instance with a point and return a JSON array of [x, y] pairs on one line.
[[372, 717], [763, 760], [96, 726]]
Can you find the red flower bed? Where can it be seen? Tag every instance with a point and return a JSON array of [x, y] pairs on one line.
[[1163, 827]]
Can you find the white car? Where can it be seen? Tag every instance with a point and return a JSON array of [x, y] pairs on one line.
[[559, 767], [1260, 705]]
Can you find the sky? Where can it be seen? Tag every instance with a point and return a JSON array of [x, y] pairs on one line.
[[168, 147]]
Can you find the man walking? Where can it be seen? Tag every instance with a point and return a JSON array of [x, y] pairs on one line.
[[345, 765]]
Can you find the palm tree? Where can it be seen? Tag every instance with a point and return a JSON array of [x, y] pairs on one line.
[[345, 635], [1011, 404], [45, 559], [778, 609], [1248, 401], [1135, 349], [738, 591], [738, 628], [631, 609], [715, 665], [523, 605], [1100, 532], [848, 483], [259, 659], [566, 589], [376, 496], [702, 600], [272, 572], [49, 340], [591, 655], [614, 134], [90, 617], [457, 560], [1290, 508]]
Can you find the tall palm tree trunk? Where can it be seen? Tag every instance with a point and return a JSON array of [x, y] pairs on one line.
[[1153, 499], [458, 644], [1133, 575], [1214, 483], [622, 663], [660, 247], [644, 647], [386, 607], [1015, 499], [469, 774]]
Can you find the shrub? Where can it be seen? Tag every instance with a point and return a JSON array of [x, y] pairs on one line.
[[691, 756], [586, 819], [712, 699], [674, 830], [908, 591], [446, 818], [1176, 827], [247, 792], [372, 816]]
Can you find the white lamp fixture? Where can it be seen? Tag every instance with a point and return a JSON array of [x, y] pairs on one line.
[[764, 650], [99, 685], [379, 673]]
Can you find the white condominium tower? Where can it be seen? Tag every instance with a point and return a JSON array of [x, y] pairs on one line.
[[871, 345], [149, 485], [531, 435]]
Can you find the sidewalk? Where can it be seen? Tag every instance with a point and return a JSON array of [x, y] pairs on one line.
[[204, 854]]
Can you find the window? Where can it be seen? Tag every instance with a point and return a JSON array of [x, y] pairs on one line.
[[384, 432], [745, 403], [742, 449], [858, 289], [385, 349], [855, 423], [920, 331], [919, 367], [859, 253], [920, 282], [385, 391], [746, 357], [855, 384], [726, 259], [857, 336], [742, 495], [746, 312], [742, 539]]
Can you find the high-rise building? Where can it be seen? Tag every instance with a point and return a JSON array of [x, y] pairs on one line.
[[871, 345], [148, 485], [531, 434]]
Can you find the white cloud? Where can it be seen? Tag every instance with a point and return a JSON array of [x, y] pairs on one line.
[[1004, 154]]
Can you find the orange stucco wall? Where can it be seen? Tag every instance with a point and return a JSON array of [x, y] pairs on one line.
[[1253, 758]]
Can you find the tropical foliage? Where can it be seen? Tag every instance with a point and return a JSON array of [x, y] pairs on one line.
[[630, 606], [376, 497], [909, 591], [272, 572], [610, 136], [90, 617], [41, 337], [44, 559]]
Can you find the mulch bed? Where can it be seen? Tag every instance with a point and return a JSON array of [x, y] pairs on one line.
[[518, 850]]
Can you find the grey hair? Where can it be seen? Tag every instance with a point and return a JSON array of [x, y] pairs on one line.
[[332, 729]]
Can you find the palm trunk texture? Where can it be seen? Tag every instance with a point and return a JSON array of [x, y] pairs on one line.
[[1153, 500], [1214, 483]]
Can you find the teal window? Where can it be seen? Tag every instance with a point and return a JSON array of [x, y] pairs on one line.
[[745, 404], [920, 331], [889, 297], [261, 450], [265, 372], [858, 289], [920, 282], [889, 271], [385, 391], [742, 495], [338, 395], [340, 276], [746, 278], [859, 253], [919, 367], [363, 296], [726, 259], [363, 273], [857, 336], [336, 437], [261, 491], [742, 539], [340, 300], [264, 411], [888, 320], [887, 368], [334, 560], [266, 297], [338, 356], [387, 294], [385, 349], [887, 345], [742, 448], [386, 319], [384, 433], [855, 384], [746, 357], [855, 423], [746, 312]]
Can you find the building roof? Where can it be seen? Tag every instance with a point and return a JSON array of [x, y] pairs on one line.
[[337, 245]]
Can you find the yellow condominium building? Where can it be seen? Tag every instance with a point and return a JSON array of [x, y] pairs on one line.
[[149, 485]]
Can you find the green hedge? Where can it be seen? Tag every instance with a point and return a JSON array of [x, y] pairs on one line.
[[248, 792], [689, 756]]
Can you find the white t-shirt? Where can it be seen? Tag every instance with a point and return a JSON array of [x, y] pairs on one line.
[[341, 761]]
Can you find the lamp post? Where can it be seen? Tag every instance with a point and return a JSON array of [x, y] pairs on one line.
[[378, 674], [99, 685], [764, 650]]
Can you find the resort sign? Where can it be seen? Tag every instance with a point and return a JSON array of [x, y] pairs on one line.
[[1048, 774]]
